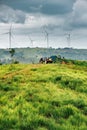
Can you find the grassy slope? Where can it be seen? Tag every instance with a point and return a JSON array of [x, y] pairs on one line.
[[43, 97]]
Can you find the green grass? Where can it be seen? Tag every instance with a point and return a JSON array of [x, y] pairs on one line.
[[43, 97]]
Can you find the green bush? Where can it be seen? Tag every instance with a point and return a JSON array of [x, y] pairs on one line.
[[73, 84]]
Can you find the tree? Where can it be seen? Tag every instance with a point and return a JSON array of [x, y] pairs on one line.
[[12, 52]]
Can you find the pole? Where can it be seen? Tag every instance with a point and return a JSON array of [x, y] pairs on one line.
[[68, 39], [10, 34], [47, 41]]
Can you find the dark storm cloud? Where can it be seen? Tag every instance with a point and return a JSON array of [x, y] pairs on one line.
[[67, 14], [54, 9], [43, 6], [57, 7], [17, 10]]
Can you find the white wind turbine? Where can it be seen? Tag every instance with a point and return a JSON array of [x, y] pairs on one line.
[[11, 50], [68, 39], [10, 35], [32, 41], [46, 33]]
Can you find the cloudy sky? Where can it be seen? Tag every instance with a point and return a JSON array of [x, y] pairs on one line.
[[65, 22]]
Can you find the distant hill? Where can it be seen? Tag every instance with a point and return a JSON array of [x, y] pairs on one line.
[[32, 55]]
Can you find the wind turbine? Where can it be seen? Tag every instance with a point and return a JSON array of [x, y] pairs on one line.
[[11, 50], [10, 35], [31, 40], [47, 38], [46, 35], [68, 39]]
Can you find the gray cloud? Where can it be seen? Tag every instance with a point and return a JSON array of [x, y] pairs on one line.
[[78, 17], [18, 10], [57, 6], [7, 14], [60, 16], [50, 7], [71, 12]]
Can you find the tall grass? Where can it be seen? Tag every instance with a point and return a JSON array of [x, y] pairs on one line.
[[43, 97]]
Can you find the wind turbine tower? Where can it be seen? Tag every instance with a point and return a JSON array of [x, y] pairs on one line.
[[69, 39], [47, 38], [46, 35], [10, 35], [31, 40]]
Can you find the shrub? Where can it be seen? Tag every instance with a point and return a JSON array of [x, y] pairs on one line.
[[73, 84], [5, 87], [66, 112], [79, 103], [15, 62], [34, 69], [58, 78]]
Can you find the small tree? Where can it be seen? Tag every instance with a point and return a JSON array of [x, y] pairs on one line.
[[0, 62], [12, 52]]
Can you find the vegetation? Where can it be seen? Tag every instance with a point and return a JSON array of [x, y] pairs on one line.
[[12, 52], [33, 55], [43, 97]]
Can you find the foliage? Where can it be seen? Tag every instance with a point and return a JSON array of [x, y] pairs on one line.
[[33, 55], [12, 52], [43, 97]]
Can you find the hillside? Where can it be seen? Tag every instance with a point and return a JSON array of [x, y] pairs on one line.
[[32, 55], [43, 97]]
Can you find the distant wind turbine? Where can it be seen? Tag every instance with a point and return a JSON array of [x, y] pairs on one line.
[[10, 35], [46, 35], [31, 40], [11, 51], [68, 39]]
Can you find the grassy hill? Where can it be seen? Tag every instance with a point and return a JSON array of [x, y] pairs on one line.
[[43, 97]]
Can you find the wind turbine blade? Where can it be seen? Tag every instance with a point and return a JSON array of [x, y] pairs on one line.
[[4, 33]]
